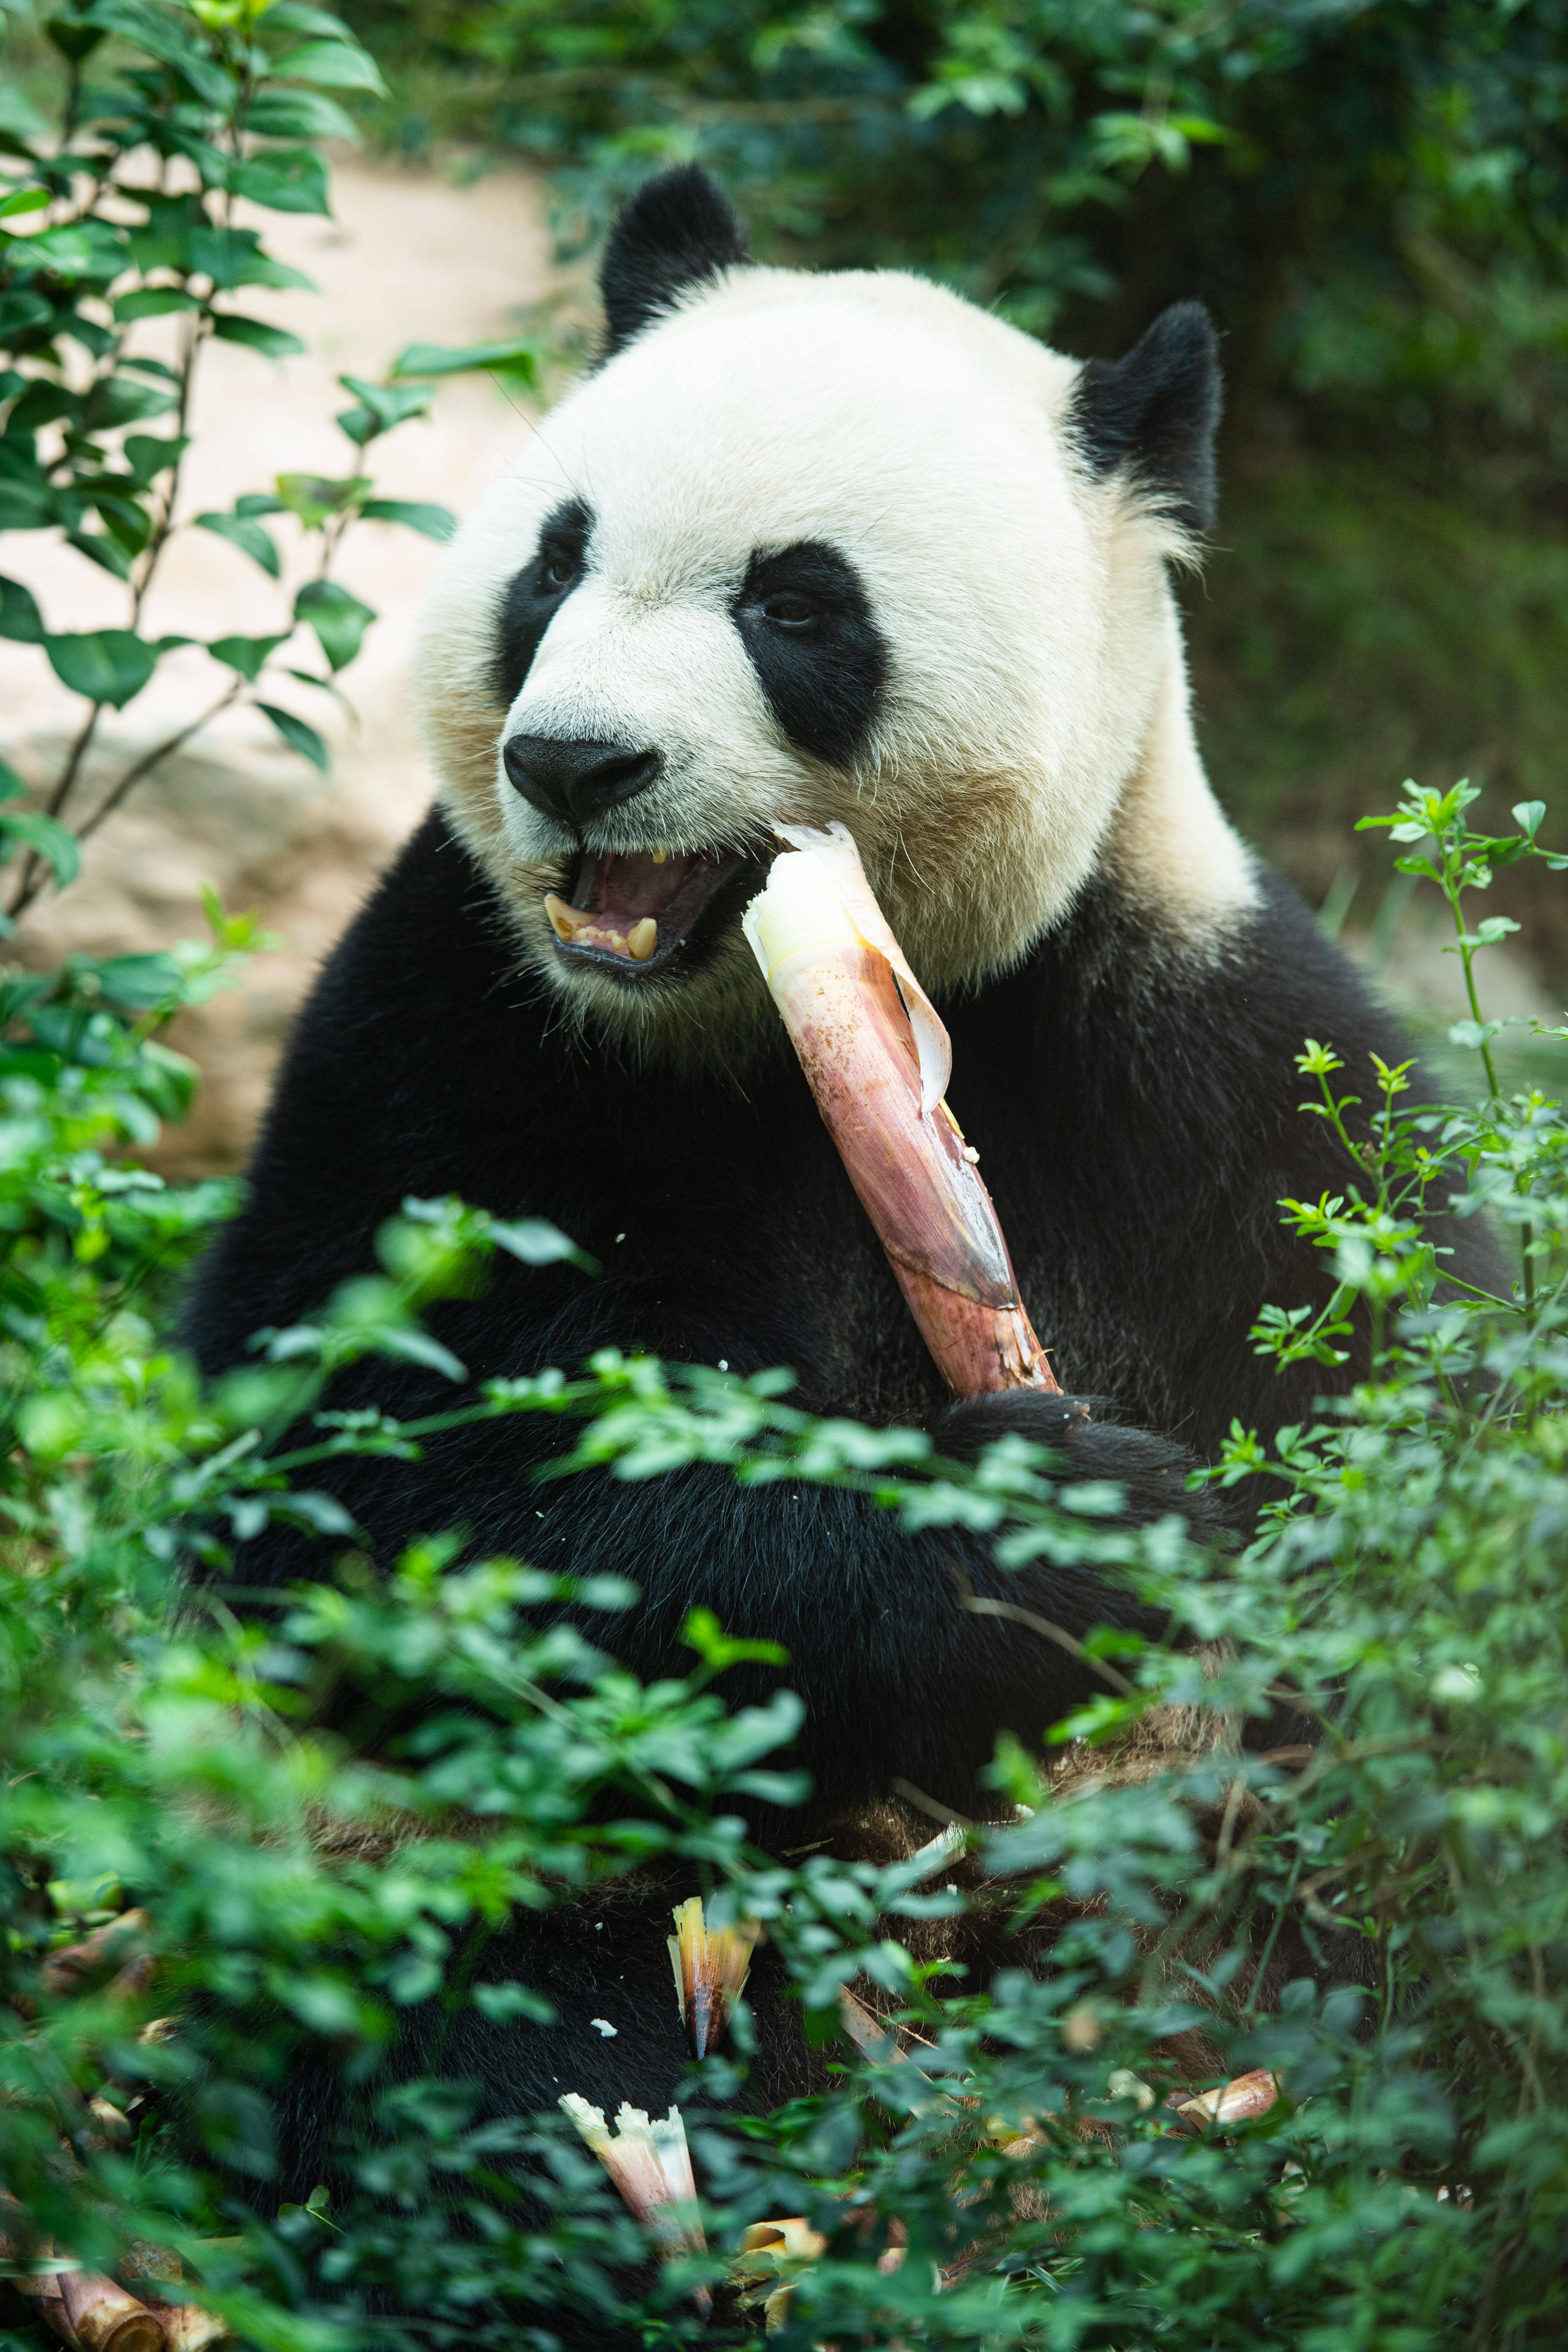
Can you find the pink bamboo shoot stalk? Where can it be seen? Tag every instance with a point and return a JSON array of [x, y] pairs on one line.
[[650, 2164], [877, 1059]]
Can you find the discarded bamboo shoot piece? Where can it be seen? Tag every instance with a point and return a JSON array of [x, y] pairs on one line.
[[650, 2165], [711, 1965], [189, 2328], [105, 2318], [1241, 2099], [877, 1057], [773, 2256]]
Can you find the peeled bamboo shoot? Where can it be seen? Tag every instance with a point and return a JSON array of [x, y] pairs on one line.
[[877, 1057]]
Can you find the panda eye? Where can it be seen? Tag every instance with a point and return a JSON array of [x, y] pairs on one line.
[[786, 610], [559, 572]]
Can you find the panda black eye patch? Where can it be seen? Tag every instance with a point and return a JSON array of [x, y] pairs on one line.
[[536, 594], [806, 623]]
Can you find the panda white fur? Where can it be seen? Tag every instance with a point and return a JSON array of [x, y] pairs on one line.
[[811, 547]]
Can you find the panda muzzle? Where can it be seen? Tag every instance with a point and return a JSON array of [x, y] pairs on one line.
[[636, 912]]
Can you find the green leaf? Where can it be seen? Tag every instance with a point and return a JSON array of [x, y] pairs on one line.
[[246, 654], [108, 665], [313, 498], [139, 981], [24, 506], [338, 620], [19, 615], [122, 401], [77, 249], [297, 16], [286, 180], [161, 37], [520, 359], [536, 1242], [300, 114], [243, 533], [73, 39], [436, 522], [153, 302], [338, 64], [259, 502], [125, 521], [42, 404], [261, 270], [276, 342], [20, 311], [106, 552], [24, 200], [389, 404], [718, 1650], [223, 255], [149, 454], [19, 118], [30, 829], [297, 735]]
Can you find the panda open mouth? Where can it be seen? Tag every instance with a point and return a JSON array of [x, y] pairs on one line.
[[634, 913]]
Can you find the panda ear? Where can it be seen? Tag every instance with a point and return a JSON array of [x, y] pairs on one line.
[[1156, 412], [677, 230]]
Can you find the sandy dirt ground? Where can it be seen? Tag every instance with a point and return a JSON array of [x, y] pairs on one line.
[[409, 258]]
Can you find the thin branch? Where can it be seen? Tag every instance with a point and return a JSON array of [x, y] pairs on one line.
[[148, 760], [1052, 1633], [30, 879]]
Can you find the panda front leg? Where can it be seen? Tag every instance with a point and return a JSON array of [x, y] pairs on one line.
[[901, 1678]]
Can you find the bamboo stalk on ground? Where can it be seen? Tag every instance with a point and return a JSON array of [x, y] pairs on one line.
[[877, 1058]]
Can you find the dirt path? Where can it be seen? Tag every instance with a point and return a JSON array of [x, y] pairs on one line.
[[409, 258]]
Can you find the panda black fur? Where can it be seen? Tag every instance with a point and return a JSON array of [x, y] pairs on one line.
[[814, 548]]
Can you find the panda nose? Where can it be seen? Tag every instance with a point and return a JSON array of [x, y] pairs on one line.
[[573, 781]]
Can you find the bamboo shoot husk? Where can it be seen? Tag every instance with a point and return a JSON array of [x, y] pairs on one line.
[[711, 1965], [877, 1058], [1244, 2097]]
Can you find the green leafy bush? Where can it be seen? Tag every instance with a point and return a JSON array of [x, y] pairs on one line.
[[123, 213], [1005, 2171]]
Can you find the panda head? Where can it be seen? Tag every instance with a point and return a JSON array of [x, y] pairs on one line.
[[807, 547]]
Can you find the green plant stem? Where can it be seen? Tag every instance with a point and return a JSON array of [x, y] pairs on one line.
[[197, 328], [170, 743], [1451, 889], [31, 877]]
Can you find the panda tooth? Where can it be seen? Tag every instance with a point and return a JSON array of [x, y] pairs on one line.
[[661, 857], [642, 940], [565, 921]]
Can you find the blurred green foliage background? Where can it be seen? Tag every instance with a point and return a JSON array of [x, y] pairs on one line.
[[1371, 195]]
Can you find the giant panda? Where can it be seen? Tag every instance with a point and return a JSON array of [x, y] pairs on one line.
[[820, 547]]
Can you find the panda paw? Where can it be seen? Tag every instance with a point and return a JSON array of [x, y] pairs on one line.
[[1150, 1470]]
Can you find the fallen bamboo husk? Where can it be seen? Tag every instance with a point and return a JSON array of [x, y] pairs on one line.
[[650, 2164], [772, 2256], [711, 1965], [1238, 2101], [121, 1944], [878, 1058]]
